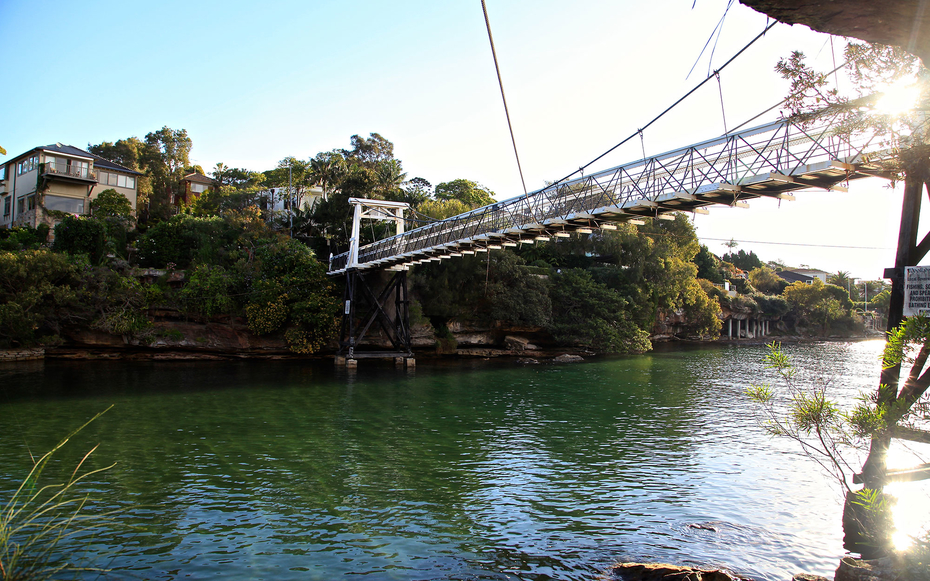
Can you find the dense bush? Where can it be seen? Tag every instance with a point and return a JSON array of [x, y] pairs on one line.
[[24, 237], [211, 291], [81, 235], [185, 239], [586, 313], [39, 290], [291, 292]]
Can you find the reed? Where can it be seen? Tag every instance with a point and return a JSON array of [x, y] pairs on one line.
[[37, 519]]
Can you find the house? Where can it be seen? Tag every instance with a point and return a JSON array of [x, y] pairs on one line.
[[276, 200], [37, 184], [805, 275], [192, 185]]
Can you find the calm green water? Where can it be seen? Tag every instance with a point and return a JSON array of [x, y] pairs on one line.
[[278, 470]]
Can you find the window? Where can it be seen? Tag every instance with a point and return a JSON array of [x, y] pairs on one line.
[[64, 204], [27, 165], [31, 202], [199, 188], [21, 206], [7, 204], [113, 179], [2, 172]]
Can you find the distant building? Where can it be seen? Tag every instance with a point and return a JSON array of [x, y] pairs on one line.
[[37, 184], [192, 185], [805, 275], [277, 201]]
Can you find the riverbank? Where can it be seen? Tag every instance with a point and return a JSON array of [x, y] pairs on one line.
[[220, 342]]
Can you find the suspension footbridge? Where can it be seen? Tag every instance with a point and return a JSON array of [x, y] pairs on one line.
[[771, 160]]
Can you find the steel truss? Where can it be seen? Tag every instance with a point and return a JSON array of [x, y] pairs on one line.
[[364, 307], [770, 160]]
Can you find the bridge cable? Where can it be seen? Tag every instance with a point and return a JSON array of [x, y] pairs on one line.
[[723, 110], [783, 101], [672, 106], [504, 98], [718, 30]]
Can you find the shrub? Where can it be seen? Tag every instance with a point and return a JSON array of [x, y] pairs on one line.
[[209, 291], [81, 235], [588, 313], [111, 204], [24, 237], [184, 239]]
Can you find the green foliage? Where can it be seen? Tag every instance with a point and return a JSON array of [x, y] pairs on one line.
[[743, 260], [184, 239], [111, 204], [766, 281], [800, 409], [881, 301], [771, 306], [81, 235], [702, 312], [291, 291], [818, 303], [115, 302], [465, 191], [39, 290], [442, 209], [24, 237], [210, 291], [708, 266], [587, 313], [485, 287], [38, 519]]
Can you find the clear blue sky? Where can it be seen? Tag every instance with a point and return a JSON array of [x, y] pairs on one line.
[[255, 82]]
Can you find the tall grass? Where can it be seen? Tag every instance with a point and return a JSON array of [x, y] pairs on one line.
[[37, 519]]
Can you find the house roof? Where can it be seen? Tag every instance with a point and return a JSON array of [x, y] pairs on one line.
[[99, 162], [794, 276], [198, 178]]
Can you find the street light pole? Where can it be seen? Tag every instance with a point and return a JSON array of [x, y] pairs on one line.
[[290, 196]]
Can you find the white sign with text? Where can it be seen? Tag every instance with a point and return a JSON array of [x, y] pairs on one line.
[[916, 290]]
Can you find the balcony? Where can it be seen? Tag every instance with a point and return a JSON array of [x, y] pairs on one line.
[[69, 170]]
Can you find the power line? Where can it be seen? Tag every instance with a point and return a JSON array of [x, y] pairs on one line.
[[807, 245]]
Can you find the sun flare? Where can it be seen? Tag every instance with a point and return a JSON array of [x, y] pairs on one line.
[[898, 98]]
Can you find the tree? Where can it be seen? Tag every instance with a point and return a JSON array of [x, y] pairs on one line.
[[817, 303], [417, 191], [111, 204], [766, 281], [708, 266], [742, 260], [800, 408], [466, 191], [587, 313], [369, 151], [166, 154]]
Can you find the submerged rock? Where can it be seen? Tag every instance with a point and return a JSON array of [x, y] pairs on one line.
[[566, 358], [886, 569], [665, 572]]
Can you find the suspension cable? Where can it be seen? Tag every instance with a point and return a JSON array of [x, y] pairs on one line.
[[672, 106], [504, 98]]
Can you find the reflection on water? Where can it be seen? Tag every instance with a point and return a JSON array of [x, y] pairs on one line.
[[283, 470]]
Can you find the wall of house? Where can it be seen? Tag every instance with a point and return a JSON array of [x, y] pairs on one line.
[[130, 193]]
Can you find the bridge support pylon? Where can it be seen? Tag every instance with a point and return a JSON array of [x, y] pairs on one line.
[[389, 308]]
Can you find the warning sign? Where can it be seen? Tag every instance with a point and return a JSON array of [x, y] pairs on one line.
[[916, 290]]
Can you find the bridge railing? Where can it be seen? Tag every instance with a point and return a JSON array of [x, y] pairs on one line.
[[736, 159]]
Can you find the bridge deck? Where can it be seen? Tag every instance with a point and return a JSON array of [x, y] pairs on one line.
[[771, 160]]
